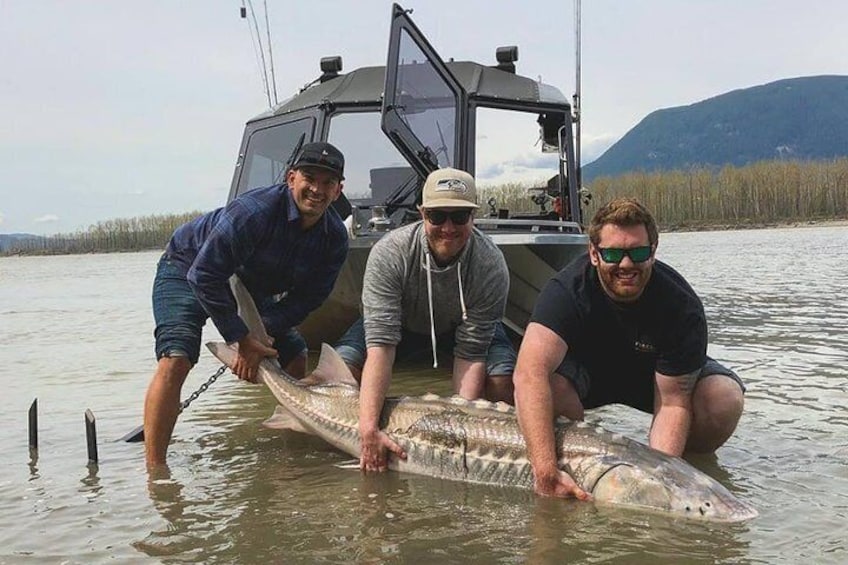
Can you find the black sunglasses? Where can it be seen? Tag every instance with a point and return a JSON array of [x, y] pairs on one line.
[[616, 254], [439, 217]]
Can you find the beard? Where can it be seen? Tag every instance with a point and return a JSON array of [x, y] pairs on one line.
[[624, 285]]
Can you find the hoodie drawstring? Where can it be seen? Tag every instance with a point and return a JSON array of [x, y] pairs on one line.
[[461, 295], [430, 301]]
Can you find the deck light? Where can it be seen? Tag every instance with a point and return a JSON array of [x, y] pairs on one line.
[[330, 67], [506, 57]]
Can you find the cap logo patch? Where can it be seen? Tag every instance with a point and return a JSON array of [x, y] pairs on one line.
[[451, 185]]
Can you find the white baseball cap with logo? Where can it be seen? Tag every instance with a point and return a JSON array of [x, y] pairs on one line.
[[449, 188]]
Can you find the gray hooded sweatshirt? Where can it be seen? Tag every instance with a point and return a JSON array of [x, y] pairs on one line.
[[469, 295]]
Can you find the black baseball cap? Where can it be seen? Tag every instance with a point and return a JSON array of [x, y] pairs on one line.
[[321, 155]]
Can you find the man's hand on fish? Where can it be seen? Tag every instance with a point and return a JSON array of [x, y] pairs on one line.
[[374, 446], [250, 352], [559, 484]]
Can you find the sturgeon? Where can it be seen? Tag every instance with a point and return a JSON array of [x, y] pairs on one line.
[[481, 442]]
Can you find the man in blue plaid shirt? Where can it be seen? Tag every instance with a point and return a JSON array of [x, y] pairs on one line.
[[284, 242]]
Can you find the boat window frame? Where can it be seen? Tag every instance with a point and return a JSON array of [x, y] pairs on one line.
[[401, 197], [252, 128], [393, 124], [568, 190]]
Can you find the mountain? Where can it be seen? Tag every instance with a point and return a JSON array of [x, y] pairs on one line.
[[798, 118], [8, 240]]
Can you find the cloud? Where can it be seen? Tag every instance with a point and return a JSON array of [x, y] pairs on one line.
[[46, 219], [2, 217], [527, 167]]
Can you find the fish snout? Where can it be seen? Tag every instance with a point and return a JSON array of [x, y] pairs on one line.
[[699, 497]]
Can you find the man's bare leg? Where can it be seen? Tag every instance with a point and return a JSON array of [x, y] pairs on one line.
[[499, 388], [162, 406], [717, 405], [566, 400]]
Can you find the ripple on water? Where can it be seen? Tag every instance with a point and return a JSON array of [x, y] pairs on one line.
[[78, 334]]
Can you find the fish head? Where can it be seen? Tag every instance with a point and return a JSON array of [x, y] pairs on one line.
[[671, 488]]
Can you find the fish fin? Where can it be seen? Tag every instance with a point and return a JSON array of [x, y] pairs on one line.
[[248, 312], [331, 369], [225, 353], [282, 419], [349, 464]]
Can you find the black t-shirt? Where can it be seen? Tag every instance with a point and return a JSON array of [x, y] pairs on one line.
[[622, 345]]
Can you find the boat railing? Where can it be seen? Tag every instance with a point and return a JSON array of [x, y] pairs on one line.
[[527, 225]]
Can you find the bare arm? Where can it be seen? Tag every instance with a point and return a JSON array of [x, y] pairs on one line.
[[376, 375], [541, 352], [672, 412], [469, 378]]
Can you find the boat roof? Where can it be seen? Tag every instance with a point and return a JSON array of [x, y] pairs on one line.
[[365, 86]]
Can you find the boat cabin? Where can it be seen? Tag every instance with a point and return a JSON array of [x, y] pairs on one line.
[[397, 123]]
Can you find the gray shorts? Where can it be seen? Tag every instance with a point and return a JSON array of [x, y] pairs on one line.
[[639, 391], [180, 318], [500, 358]]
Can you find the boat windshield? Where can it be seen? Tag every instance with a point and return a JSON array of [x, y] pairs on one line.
[[512, 164], [374, 169], [268, 151], [425, 102]]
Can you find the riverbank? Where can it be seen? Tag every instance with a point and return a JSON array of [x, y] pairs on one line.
[[755, 225], [741, 225]]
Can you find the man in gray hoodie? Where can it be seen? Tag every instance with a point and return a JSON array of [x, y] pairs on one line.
[[437, 284]]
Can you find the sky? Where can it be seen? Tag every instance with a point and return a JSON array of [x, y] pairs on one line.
[[123, 109]]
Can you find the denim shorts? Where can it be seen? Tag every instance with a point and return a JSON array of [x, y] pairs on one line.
[[639, 396], [180, 318], [500, 358]]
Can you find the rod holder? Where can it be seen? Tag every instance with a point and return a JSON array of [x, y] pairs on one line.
[[91, 436]]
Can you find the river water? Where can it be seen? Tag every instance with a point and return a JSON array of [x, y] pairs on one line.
[[76, 332]]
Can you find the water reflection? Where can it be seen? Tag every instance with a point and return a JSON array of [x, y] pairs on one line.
[[250, 494], [238, 493], [33, 463], [594, 533], [91, 486], [289, 500], [173, 537]]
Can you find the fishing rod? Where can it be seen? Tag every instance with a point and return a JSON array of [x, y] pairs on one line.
[[269, 78]]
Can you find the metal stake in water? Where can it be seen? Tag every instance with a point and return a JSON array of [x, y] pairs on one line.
[[33, 430], [91, 436]]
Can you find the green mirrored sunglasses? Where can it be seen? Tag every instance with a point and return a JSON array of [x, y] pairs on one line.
[[616, 254]]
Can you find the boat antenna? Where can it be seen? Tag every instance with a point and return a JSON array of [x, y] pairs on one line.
[[575, 107], [268, 84], [270, 53]]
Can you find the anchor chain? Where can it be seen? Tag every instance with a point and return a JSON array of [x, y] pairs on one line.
[[202, 388]]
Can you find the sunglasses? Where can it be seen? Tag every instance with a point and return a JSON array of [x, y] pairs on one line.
[[616, 254], [439, 217]]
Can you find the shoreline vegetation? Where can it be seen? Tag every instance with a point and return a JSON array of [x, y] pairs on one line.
[[111, 236], [766, 194]]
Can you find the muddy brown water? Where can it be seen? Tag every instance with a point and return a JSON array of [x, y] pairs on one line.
[[76, 332]]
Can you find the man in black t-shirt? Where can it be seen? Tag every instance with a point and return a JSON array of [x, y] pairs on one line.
[[618, 326]]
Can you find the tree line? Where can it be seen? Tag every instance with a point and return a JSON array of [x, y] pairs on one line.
[[763, 193], [118, 235]]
